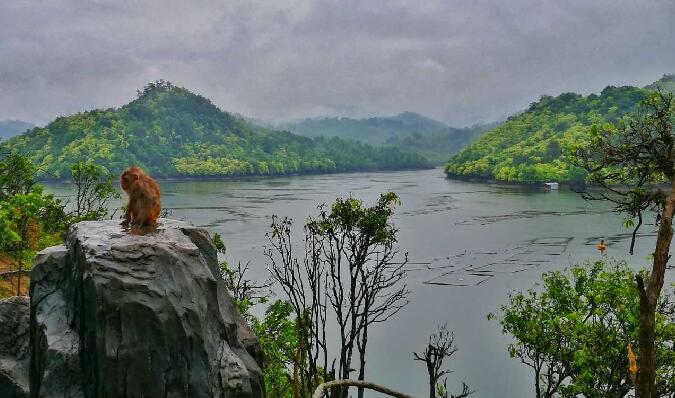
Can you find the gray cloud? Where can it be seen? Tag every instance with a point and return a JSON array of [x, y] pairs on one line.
[[459, 61]]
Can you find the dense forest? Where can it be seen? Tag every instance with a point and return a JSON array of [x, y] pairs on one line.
[[408, 131], [532, 146], [175, 133], [9, 128]]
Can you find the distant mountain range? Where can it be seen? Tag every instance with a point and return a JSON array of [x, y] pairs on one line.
[[10, 128], [374, 130], [173, 132], [532, 146], [409, 131]]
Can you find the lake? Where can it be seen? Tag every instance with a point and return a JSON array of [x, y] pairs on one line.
[[470, 244]]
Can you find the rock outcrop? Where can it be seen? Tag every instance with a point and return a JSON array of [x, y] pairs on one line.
[[14, 352], [115, 314]]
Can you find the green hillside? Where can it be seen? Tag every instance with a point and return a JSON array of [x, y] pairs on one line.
[[9, 128], [531, 146], [172, 133]]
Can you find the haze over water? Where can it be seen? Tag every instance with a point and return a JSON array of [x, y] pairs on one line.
[[469, 244]]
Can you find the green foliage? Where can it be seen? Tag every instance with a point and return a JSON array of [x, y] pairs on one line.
[[29, 219], [574, 331], [278, 338], [17, 175], [93, 191], [172, 132], [532, 146], [348, 216]]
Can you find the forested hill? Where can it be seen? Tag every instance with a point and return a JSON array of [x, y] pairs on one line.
[[172, 133], [532, 145], [9, 128], [373, 131]]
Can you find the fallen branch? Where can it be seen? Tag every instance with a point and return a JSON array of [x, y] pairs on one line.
[[321, 389]]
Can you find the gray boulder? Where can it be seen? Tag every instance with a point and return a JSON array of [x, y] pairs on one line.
[[115, 314], [14, 352]]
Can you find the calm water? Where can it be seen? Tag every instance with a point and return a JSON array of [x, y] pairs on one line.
[[469, 245]]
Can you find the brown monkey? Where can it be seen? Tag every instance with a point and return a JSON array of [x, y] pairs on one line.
[[144, 205]]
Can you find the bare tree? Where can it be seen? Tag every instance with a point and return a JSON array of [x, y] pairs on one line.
[[441, 346], [245, 291], [351, 267]]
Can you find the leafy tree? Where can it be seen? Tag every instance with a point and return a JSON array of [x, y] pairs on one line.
[[278, 338], [573, 332], [17, 175], [638, 154], [29, 219]]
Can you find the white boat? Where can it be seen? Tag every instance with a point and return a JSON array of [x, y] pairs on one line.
[[551, 186]]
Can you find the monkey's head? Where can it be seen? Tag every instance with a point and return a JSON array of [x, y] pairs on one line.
[[130, 177]]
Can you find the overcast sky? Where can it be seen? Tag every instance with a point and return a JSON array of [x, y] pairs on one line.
[[458, 61]]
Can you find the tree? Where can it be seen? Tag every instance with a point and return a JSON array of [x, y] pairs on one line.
[[630, 161], [17, 175], [441, 346], [351, 265], [279, 340], [32, 222], [93, 190], [29, 219], [573, 332]]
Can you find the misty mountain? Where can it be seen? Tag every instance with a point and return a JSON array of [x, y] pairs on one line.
[[10, 128], [373, 130]]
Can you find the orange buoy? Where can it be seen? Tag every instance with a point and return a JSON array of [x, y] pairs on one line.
[[601, 246]]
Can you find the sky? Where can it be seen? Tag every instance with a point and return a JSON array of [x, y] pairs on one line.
[[461, 62]]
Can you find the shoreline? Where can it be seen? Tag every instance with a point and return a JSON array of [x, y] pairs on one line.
[[245, 177]]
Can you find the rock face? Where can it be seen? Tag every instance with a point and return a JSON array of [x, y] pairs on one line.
[[115, 314], [14, 352]]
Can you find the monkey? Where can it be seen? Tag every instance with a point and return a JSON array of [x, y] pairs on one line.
[[144, 205]]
